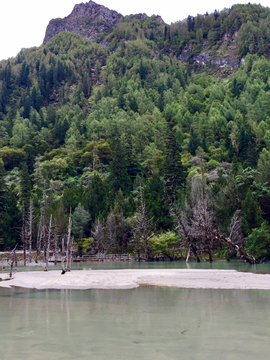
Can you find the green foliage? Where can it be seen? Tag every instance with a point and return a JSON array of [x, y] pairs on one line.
[[12, 157], [72, 195], [251, 213], [258, 241], [165, 244], [174, 171], [90, 124], [94, 198], [9, 213], [84, 245], [80, 219]]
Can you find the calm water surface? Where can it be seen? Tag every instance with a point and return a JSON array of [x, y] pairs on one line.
[[144, 323], [236, 265]]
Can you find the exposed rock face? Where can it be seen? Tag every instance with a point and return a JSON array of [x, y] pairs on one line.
[[227, 61], [86, 20]]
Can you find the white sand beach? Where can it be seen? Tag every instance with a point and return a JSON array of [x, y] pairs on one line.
[[129, 279]]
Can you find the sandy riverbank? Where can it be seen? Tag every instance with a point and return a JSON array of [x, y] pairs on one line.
[[129, 279]]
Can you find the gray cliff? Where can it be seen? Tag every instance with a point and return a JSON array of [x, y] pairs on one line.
[[87, 20]]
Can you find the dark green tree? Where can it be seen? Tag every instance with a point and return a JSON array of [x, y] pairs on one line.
[[80, 220], [94, 199], [9, 214], [251, 213], [72, 197], [194, 142], [119, 177], [26, 187], [157, 204], [174, 171]]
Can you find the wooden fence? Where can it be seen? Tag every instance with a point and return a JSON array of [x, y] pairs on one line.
[[105, 257]]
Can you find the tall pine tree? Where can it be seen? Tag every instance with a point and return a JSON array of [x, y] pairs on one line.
[[174, 171]]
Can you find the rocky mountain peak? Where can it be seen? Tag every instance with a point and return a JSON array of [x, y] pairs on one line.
[[86, 19]]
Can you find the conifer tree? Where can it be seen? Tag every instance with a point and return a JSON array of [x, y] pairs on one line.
[[143, 226], [251, 213], [174, 172], [194, 142], [26, 187], [9, 213], [94, 198], [119, 178]]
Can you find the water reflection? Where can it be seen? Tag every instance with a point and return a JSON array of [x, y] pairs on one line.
[[145, 323]]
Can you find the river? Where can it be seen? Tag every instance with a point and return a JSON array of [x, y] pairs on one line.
[[144, 323]]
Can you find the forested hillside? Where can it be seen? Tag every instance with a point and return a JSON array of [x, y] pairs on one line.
[[157, 141]]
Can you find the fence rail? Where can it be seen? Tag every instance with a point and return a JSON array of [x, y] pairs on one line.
[[104, 257]]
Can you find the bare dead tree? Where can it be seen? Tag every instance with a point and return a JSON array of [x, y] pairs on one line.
[[55, 247], [69, 244], [63, 257], [24, 235], [66, 255], [39, 236], [99, 237], [111, 232], [205, 229], [12, 260], [70, 252], [124, 230], [183, 219], [48, 244], [235, 228], [196, 226], [203, 225], [44, 227], [143, 225], [29, 229], [236, 235]]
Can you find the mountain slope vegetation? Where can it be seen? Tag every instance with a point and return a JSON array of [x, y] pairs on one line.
[[136, 130]]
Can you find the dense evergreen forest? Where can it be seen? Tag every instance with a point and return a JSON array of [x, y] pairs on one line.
[[153, 153]]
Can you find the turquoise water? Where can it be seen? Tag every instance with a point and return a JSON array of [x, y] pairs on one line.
[[145, 323], [237, 265]]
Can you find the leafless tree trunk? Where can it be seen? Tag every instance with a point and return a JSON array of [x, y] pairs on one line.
[[182, 215], [55, 241], [70, 253], [202, 214], [99, 237], [239, 250], [44, 229], [143, 226], [202, 226], [13, 259], [48, 244], [24, 236], [111, 232], [137, 244], [39, 237], [63, 257], [188, 255], [236, 235], [69, 242], [196, 227], [30, 230], [124, 230]]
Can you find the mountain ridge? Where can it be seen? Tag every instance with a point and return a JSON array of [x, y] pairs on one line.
[[97, 23], [86, 20]]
